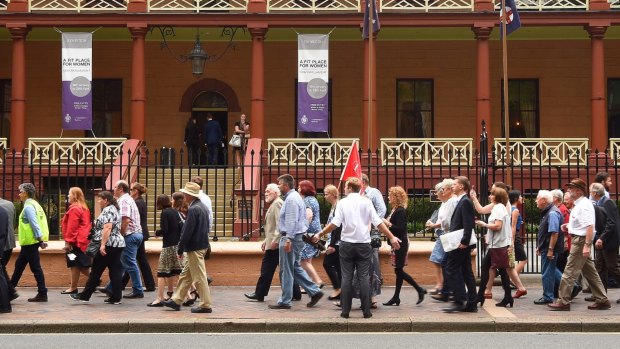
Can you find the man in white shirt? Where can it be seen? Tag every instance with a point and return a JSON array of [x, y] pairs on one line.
[[581, 228], [354, 213]]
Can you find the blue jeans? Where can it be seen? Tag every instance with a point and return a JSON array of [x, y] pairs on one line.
[[291, 270], [551, 276], [130, 265]]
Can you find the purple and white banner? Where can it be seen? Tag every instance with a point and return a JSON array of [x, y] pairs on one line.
[[312, 79], [77, 77]]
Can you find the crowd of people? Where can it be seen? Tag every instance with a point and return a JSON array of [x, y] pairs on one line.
[[571, 225]]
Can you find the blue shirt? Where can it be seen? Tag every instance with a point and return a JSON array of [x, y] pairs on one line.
[[377, 200], [293, 215], [30, 216]]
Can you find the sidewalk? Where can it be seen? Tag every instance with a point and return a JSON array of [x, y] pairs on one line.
[[233, 313]]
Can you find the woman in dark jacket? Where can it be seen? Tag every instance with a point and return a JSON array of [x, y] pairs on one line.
[[331, 262], [137, 190], [397, 222], [169, 267]]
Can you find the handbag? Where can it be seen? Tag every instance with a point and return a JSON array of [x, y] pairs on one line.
[[451, 241], [499, 257], [235, 141], [375, 238], [93, 247]]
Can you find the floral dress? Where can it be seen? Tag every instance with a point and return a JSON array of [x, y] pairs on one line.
[[314, 227]]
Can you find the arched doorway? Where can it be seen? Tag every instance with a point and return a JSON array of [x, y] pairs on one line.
[[211, 102]]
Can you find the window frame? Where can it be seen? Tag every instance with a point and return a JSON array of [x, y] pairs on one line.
[[432, 103], [536, 81]]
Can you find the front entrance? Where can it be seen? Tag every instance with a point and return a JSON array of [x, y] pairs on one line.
[[210, 102]]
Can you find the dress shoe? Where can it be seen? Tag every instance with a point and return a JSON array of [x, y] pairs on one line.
[[315, 299], [343, 315], [254, 297], [456, 307], [171, 304], [421, 293], [440, 297], [200, 310], [575, 292], [520, 294], [590, 299], [38, 298], [542, 301], [559, 307], [279, 306], [133, 295], [367, 316], [600, 306], [69, 291], [112, 301], [155, 305]]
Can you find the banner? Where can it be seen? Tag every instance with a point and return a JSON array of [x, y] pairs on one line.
[[77, 76], [312, 79]]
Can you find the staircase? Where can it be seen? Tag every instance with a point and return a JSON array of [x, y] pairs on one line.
[[218, 184]]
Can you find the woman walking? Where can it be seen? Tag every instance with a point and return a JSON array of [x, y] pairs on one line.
[[397, 223], [313, 214], [169, 266], [331, 262], [108, 232], [75, 230]]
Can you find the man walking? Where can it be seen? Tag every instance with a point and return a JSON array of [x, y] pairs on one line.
[[550, 244], [33, 233], [10, 242], [293, 224], [194, 241], [581, 229], [458, 262], [607, 238], [5, 295], [354, 213]]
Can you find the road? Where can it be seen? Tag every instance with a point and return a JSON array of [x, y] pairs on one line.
[[313, 341]]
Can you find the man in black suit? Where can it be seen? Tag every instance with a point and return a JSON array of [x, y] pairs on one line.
[[213, 139], [607, 235], [458, 266]]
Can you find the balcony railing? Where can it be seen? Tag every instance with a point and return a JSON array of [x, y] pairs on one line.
[[72, 151], [542, 151], [426, 151], [306, 6], [309, 152]]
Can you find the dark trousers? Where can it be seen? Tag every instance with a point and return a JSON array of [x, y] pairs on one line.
[[193, 154], [606, 263], [331, 264], [484, 278], [5, 292], [112, 261], [355, 257], [6, 257], [145, 269], [461, 276], [29, 255], [268, 267], [212, 150], [562, 259]]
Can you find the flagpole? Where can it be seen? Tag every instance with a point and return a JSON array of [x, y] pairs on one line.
[[507, 157], [371, 15]]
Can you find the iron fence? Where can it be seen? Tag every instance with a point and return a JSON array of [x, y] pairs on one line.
[[237, 192]]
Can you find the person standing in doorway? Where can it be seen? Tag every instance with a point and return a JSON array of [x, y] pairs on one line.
[[192, 141], [213, 139]]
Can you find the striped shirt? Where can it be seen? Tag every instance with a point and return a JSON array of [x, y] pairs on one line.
[[109, 214]]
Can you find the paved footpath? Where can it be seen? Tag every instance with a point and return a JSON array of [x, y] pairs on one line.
[[233, 313]]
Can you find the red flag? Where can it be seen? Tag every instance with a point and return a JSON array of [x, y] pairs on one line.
[[353, 168]]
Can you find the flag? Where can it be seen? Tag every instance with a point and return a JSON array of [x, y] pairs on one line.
[[513, 22], [353, 168], [375, 18]]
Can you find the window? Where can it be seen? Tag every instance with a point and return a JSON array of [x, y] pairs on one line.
[[107, 108], [414, 108], [523, 108], [613, 107], [5, 108]]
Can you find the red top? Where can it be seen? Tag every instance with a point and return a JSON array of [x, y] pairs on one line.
[[76, 226], [566, 215]]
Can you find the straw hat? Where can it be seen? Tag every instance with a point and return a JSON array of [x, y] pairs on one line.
[[191, 189]]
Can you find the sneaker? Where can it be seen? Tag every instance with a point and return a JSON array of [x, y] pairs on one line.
[[111, 301], [133, 295], [542, 301], [78, 298]]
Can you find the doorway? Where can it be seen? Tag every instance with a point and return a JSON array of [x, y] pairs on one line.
[[211, 102]]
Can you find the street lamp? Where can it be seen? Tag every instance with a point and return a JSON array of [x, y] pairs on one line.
[[198, 58]]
